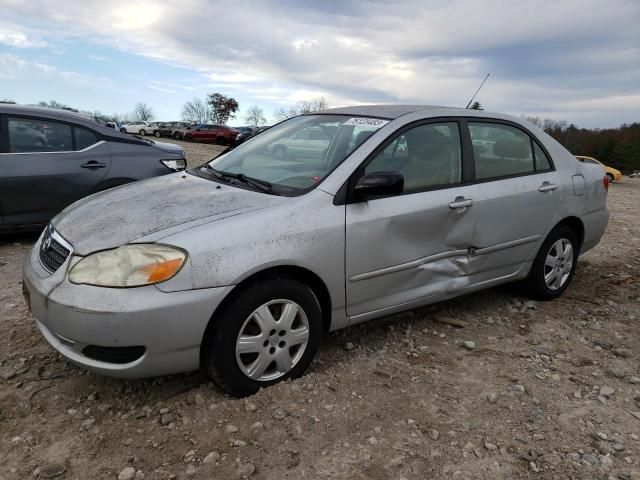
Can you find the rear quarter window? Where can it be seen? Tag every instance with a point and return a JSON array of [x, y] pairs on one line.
[[84, 138]]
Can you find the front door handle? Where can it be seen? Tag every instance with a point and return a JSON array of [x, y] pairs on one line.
[[547, 187], [93, 164], [461, 204]]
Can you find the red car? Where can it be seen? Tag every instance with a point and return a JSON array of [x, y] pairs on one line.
[[206, 133]]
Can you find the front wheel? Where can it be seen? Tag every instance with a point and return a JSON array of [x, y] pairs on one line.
[[270, 332], [143, 132], [156, 134], [554, 265], [610, 177]]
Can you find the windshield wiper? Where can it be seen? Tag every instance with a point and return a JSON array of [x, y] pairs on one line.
[[254, 182]]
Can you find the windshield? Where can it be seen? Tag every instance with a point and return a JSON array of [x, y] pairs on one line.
[[296, 155]]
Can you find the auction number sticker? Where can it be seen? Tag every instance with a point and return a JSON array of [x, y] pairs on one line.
[[366, 122]]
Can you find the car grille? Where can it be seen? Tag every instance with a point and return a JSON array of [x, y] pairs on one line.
[[52, 253]]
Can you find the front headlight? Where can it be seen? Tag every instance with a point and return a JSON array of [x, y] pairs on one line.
[[129, 266], [175, 165]]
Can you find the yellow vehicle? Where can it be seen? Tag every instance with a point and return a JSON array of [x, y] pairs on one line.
[[613, 174]]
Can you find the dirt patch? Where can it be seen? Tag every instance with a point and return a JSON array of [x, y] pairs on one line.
[[197, 153], [545, 393]]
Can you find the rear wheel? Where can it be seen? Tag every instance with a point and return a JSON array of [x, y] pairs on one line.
[[143, 132], [554, 266], [610, 177], [270, 332], [156, 134], [123, 130], [188, 138]]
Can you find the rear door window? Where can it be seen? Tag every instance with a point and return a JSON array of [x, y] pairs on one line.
[[500, 150]]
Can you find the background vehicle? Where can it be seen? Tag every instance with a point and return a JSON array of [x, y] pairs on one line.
[[207, 133], [50, 158], [174, 129], [139, 128], [258, 256], [310, 142], [154, 129], [245, 132], [613, 174]]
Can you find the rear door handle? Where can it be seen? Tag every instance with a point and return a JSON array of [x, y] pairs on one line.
[[547, 187], [461, 203], [93, 164]]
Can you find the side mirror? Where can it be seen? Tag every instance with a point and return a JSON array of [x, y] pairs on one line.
[[379, 184]]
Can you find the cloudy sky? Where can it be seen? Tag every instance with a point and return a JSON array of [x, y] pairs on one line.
[[577, 60]]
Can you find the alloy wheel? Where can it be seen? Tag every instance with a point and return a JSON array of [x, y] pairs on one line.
[[558, 264], [272, 340]]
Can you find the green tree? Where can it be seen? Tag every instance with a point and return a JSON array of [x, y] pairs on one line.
[[223, 108]]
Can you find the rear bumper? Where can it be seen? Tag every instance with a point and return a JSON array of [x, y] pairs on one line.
[[595, 224], [170, 326]]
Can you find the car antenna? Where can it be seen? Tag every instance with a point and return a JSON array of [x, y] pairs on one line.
[[474, 95]]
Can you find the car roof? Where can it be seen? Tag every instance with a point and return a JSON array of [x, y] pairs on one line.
[[83, 119], [386, 111], [391, 112]]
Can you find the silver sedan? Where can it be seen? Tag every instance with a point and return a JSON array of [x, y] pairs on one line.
[[239, 266]]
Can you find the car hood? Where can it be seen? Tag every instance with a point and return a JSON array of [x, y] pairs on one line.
[[172, 202], [169, 147]]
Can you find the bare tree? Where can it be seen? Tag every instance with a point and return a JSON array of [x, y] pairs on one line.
[[56, 104], [305, 106], [222, 108], [142, 112], [283, 113], [255, 116], [315, 105], [196, 111]]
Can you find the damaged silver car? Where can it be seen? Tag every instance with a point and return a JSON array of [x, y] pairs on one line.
[[239, 266]]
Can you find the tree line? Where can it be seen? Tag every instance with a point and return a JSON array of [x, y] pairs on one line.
[[218, 108], [616, 147]]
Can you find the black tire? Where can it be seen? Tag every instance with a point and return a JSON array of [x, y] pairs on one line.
[[610, 177], [123, 130], [280, 152], [218, 353], [143, 132], [535, 284], [156, 134], [220, 140], [188, 138]]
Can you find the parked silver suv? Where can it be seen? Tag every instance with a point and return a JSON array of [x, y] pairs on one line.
[[240, 265], [50, 158]]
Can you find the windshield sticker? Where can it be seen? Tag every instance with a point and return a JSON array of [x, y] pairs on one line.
[[366, 122]]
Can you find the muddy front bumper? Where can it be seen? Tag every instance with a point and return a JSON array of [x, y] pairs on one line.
[[119, 332]]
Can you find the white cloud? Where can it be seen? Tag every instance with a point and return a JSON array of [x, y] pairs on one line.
[[14, 38], [544, 56]]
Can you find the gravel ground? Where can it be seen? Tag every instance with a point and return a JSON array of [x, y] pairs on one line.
[[539, 390]]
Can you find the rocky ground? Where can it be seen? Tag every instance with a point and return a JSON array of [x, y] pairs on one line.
[[519, 390]]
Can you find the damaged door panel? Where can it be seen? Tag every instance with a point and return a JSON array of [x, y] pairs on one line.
[[405, 248]]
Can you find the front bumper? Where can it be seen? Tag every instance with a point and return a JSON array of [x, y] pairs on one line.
[[170, 326]]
